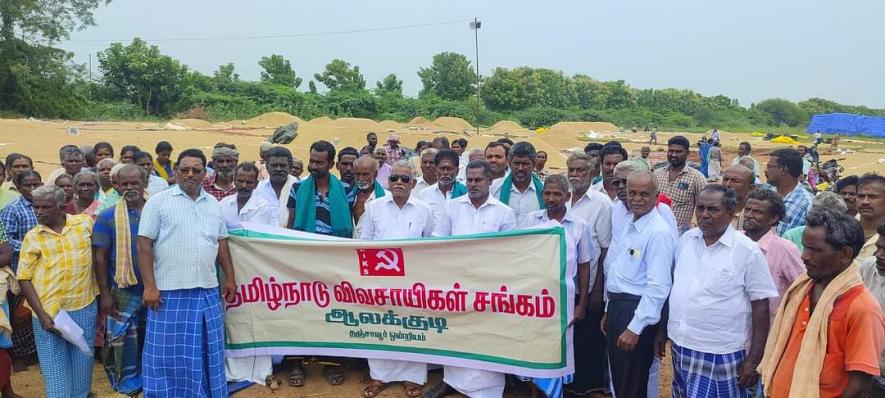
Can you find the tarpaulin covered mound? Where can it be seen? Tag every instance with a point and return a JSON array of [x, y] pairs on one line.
[[582, 127], [785, 140], [847, 123], [454, 123], [272, 120]]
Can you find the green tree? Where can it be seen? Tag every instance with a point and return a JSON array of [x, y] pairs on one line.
[[340, 76], [34, 77], [390, 85], [278, 70], [782, 112], [448, 77], [140, 74]]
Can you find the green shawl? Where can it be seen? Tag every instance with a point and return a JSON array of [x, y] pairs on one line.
[[508, 185], [339, 208], [458, 189]]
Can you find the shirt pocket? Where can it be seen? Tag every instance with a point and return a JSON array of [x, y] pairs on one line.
[[832, 373], [722, 280]]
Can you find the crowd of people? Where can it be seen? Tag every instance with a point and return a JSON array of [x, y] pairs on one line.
[[760, 289]]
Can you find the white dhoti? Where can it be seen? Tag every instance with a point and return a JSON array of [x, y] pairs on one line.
[[389, 371], [713, 170], [474, 383], [254, 369]]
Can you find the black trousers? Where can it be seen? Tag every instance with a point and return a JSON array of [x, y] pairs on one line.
[[590, 358], [629, 369]]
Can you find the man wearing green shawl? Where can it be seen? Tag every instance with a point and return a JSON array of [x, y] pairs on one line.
[[521, 189], [319, 204], [367, 188]]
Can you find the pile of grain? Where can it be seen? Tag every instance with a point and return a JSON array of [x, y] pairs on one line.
[[272, 120], [419, 121], [389, 125], [322, 120], [360, 123], [505, 126], [582, 127], [192, 123], [453, 123]]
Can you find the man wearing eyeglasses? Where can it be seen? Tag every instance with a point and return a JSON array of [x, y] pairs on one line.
[[368, 188], [399, 215]]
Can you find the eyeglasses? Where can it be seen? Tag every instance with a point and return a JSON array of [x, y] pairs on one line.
[[618, 182], [400, 177]]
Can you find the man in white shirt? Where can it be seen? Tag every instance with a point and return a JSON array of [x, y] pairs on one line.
[[427, 161], [476, 212], [276, 188], [593, 208], [447, 187], [155, 184], [248, 206], [637, 271], [621, 212], [719, 299], [399, 215], [521, 188]]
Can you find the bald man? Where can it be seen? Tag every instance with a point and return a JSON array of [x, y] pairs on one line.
[[365, 170]]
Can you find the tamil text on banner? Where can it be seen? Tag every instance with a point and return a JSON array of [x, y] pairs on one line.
[[499, 301]]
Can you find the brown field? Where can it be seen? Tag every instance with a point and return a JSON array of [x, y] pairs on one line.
[[42, 139]]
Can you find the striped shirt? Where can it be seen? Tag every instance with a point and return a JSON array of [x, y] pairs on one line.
[[59, 265], [185, 234], [18, 218], [682, 190], [323, 214]]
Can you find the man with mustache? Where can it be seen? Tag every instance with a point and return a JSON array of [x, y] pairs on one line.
[[827, 336], [594, 209], [680, 182], [871, 207], [427, 160], [344, 165], [224, 161], [476, 212], [181, 234], [611, 155], [367, 188], [783, 171], [497, 155], [275, 189], [740, 179], [719, 299], [638, 282], [846, 187], [521, 188], [399, 215], [447, 187], [744, 149], [119, 281]]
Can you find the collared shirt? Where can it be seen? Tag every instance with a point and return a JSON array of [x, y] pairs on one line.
[[358, 225], [212, 189], [18, 218], [383, 219], [595, 209], [683, 191], [59, 265], [460, 217], [785, 263], [582, 247], [110, 199], [712, 290], [323, 206], [265, 190], [256, 210], [104, 235], [638, 263], [854, 341], [436, 199], [875, 283], [185, 234], [797, 204], [394, 154], [384, 175], [622, 216], [738, 220], [420, 185], [522, 203], [156, 185]]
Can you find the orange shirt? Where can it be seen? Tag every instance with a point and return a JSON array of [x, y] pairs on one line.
[[855, 334]]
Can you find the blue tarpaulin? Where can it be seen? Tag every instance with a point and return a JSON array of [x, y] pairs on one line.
[[847, 123]]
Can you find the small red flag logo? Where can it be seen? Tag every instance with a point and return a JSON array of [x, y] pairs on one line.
[[381, 262]]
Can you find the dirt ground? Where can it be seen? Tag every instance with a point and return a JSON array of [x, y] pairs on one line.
[[42, 139]]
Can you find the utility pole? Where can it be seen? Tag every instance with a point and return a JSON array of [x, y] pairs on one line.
[[475, 25]]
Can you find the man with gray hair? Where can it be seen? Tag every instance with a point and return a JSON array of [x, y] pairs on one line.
[[638, 282], [72, 161], [823, 200], [719, 301], [365, 170], [224, 161], [49, 291], [399, 215], [740, 179], [427, 162]]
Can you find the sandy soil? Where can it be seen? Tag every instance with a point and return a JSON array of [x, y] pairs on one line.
[[41, 140]]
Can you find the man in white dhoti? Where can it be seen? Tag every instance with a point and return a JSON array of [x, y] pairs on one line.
[[399, 215], [474, 213]]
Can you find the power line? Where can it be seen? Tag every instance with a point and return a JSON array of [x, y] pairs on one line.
[[286, 36]]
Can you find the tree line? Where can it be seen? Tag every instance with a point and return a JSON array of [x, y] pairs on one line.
[[138, 81]]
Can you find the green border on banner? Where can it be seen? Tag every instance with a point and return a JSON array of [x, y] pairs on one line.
[[559, 231]]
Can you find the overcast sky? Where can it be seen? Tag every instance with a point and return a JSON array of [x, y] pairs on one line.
[[750, 49]]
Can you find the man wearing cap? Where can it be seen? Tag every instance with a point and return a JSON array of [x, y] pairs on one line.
[[221, 184], [394, 151]]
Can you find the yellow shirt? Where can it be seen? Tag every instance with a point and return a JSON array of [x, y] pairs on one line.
[[60, 265]]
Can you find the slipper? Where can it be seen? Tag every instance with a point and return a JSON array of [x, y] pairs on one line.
[[412, 390], [296, 376], [374, 388], [333, 375]]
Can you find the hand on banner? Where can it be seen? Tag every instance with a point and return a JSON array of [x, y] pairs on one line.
[[627, 340], [151, 298], [230, 288]]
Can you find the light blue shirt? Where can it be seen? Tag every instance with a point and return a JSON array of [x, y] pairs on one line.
[[185, 234], [639, 262]]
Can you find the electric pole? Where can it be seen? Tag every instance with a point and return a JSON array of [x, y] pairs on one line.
[[475, 25]]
